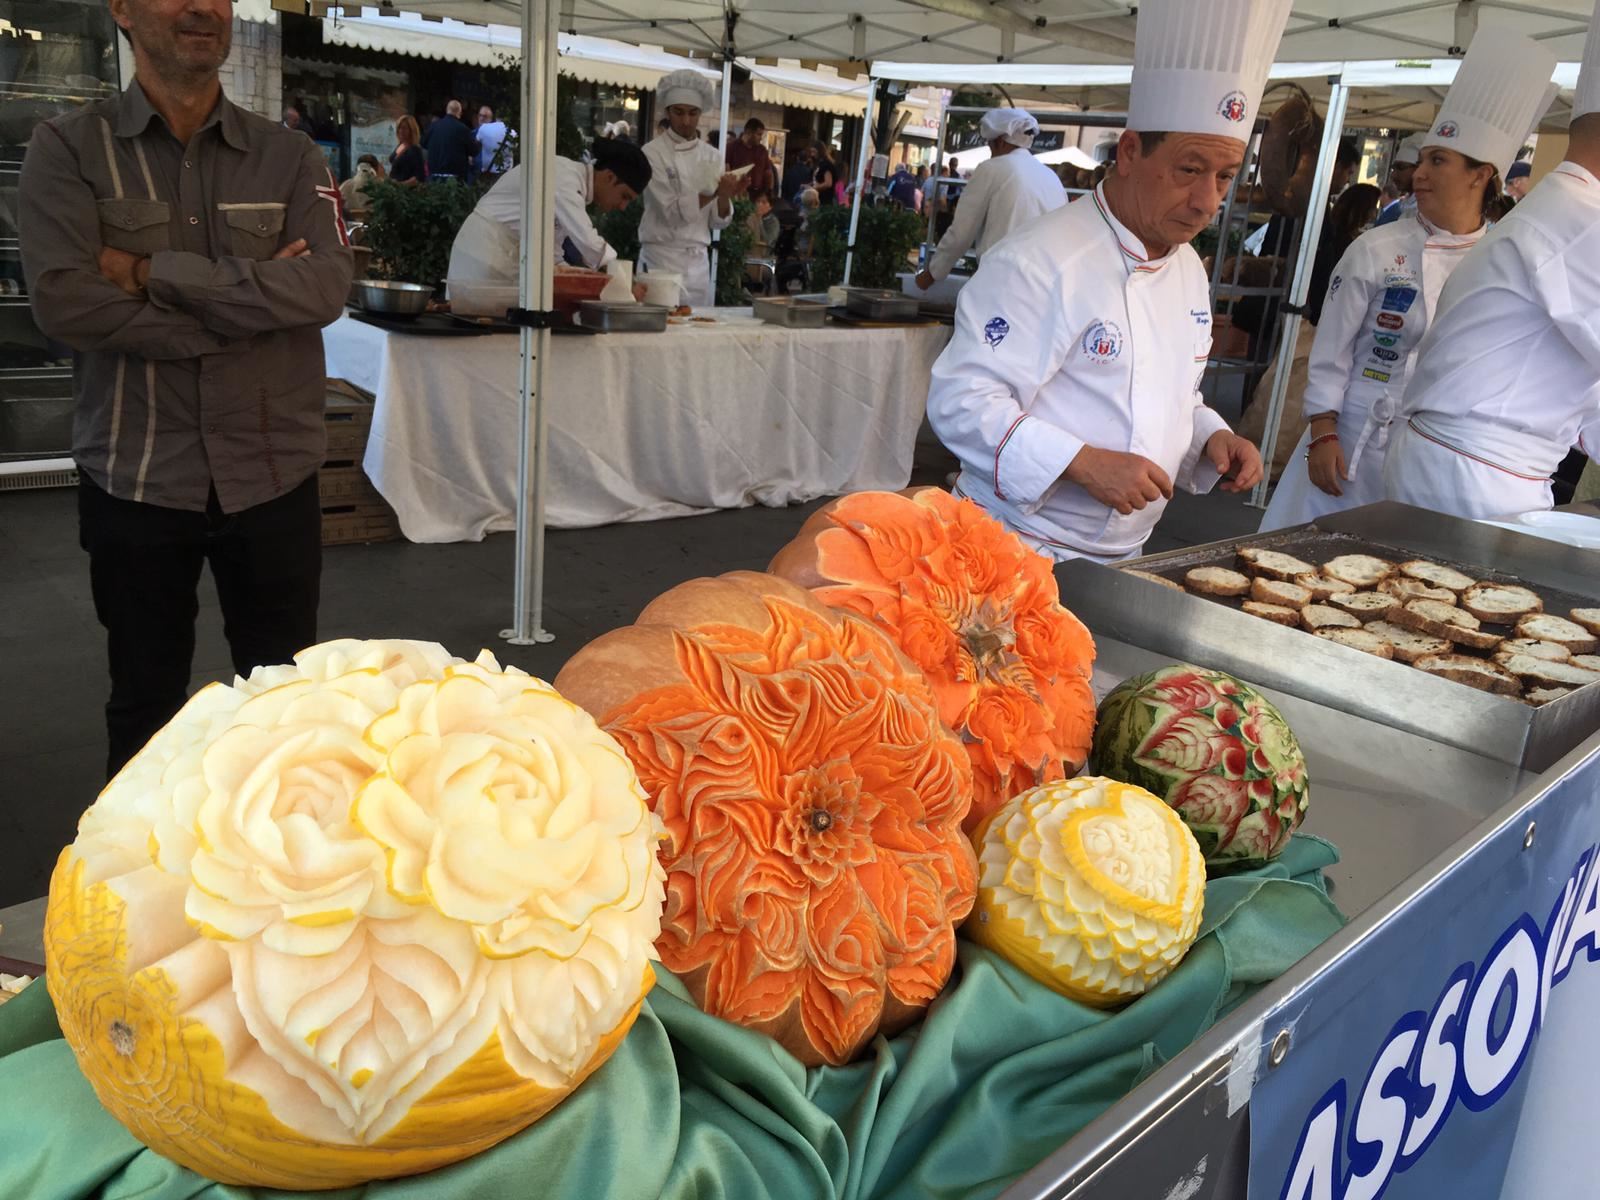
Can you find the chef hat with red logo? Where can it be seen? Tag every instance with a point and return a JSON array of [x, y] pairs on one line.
[[1201, 67], [1501, 90], [1587, 99]]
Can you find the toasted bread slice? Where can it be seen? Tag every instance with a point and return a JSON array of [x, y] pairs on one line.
[[1433, 616], [1536, 648], [1369, 606], [1434, 575], [1589, 618], [1272, 612], [1415, 589], [1410, 645], [1544, 695], [1217, 581], [1323, 587], [1541, 672], [1275, 591], [1151, 577], [1273, 564], [1500, 603], [1474, 672], [1358, 570], [1321, 616], [1476, 639], [1589, 662], [1360, 639], [1550, 628]]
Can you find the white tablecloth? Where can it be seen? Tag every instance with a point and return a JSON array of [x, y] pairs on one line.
[[641, 426]]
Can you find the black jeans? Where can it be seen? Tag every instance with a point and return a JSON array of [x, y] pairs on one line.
[[144, 570]]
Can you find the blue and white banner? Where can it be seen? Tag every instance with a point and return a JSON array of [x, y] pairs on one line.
[[1455, 1051]]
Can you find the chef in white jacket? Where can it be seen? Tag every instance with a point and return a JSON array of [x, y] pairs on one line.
[[1508, 378], [487, 246], [1070, 388], [690, 194], [1005, 193], [1387, 285]]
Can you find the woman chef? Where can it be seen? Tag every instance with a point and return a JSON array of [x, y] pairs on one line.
[[1509, 377], [1070, 387], [489, 242], [1386, 287], [690, 194]]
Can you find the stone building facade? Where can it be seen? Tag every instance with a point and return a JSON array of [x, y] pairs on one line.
[[253, 75]]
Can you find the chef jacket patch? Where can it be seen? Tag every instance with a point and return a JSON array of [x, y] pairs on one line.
[[1102, 343], [1399, 299], [1447, 129], [1338, 282], [1390, 321], [1201, 316], [995, 331], [1386, 355], [1386, 339], [1233, 107], [1380, 376]]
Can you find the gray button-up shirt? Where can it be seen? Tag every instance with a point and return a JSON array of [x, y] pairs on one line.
[[215, 377]]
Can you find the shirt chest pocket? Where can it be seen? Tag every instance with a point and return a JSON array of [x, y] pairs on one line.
[[254, 230], [135, 226]]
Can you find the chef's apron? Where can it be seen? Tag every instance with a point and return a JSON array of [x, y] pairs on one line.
[[1469, 468], [1364, 435], [484, 251], [690, 260]]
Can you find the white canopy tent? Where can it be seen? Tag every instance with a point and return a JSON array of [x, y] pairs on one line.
[[1013, 38]]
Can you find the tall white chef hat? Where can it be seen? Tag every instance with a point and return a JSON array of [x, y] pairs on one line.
[[1410, 151], [685, 87], [1200, 68], [1587, 99], [1490, 107], [1012, 124]]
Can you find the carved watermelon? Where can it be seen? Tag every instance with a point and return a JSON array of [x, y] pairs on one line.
[[1214, 749]]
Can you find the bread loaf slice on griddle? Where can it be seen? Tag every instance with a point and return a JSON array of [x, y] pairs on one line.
[[1217, 581], [1410, 645], [1435, 575], [1360, 639], [1359, 570], [1500, 603], [1273, 564], [1474, 672], [1276, 591], [1277, 613], [1323, 616], [1324, 587], [1550, 628], [1415, 589], [1368, 606]]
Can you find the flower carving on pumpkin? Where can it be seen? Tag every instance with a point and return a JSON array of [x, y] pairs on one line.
[[812, 803], [978, 611], [382, 877]]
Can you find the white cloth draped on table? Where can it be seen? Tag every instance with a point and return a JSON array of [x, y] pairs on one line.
[[641, 426]]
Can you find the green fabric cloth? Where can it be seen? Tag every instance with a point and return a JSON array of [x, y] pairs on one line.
[[1000, 1073]]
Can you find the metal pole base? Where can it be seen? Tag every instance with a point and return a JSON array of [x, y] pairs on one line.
[[538, 638]]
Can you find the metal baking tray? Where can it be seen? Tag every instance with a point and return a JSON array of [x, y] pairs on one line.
[[792, 311], [880, 304], [1202, 630], [623, 318]]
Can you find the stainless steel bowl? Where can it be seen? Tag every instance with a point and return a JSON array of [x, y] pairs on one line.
[[391, 298]]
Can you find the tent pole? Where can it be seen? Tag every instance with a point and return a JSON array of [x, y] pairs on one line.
[[539, 27], [938, 163], [1316, 210], [727, 90], [861, 180]]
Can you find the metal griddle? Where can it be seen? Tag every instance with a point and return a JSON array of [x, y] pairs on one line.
[[1216, 632]]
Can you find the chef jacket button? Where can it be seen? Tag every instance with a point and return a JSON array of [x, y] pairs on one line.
[[262, 227], [194, 220], [211, 429], [127, 220], [187, 164]]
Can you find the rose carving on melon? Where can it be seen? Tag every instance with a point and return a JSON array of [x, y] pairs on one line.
[[1216, 750], [977, 611], [812, 803], [354, 918]]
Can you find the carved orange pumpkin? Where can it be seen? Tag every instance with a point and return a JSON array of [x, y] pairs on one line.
[[812, 802], [978, 611]]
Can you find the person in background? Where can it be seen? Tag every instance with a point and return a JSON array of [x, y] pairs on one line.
[[800, 172], [903, 189], [450, 145], [826, 176], [1351, 215], [1519, 178], [354, 189], [749, 150], [922, 188], [810, 204], [763, 224], [488, 247], [489, 135], [291, 118], [407, 164], [690, 194], [198, 368], [1400, 173], [1006, 193]]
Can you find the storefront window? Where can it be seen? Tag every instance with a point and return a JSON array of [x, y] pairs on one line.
[[349, 111], [592, 110]]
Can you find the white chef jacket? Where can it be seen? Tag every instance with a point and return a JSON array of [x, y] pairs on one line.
[[1376, 312], [486, 248], [676, 228], [1070, 336], [1508, 378], [1003, 194]]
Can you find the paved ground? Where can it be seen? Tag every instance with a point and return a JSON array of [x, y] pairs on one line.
[[52, 653]]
